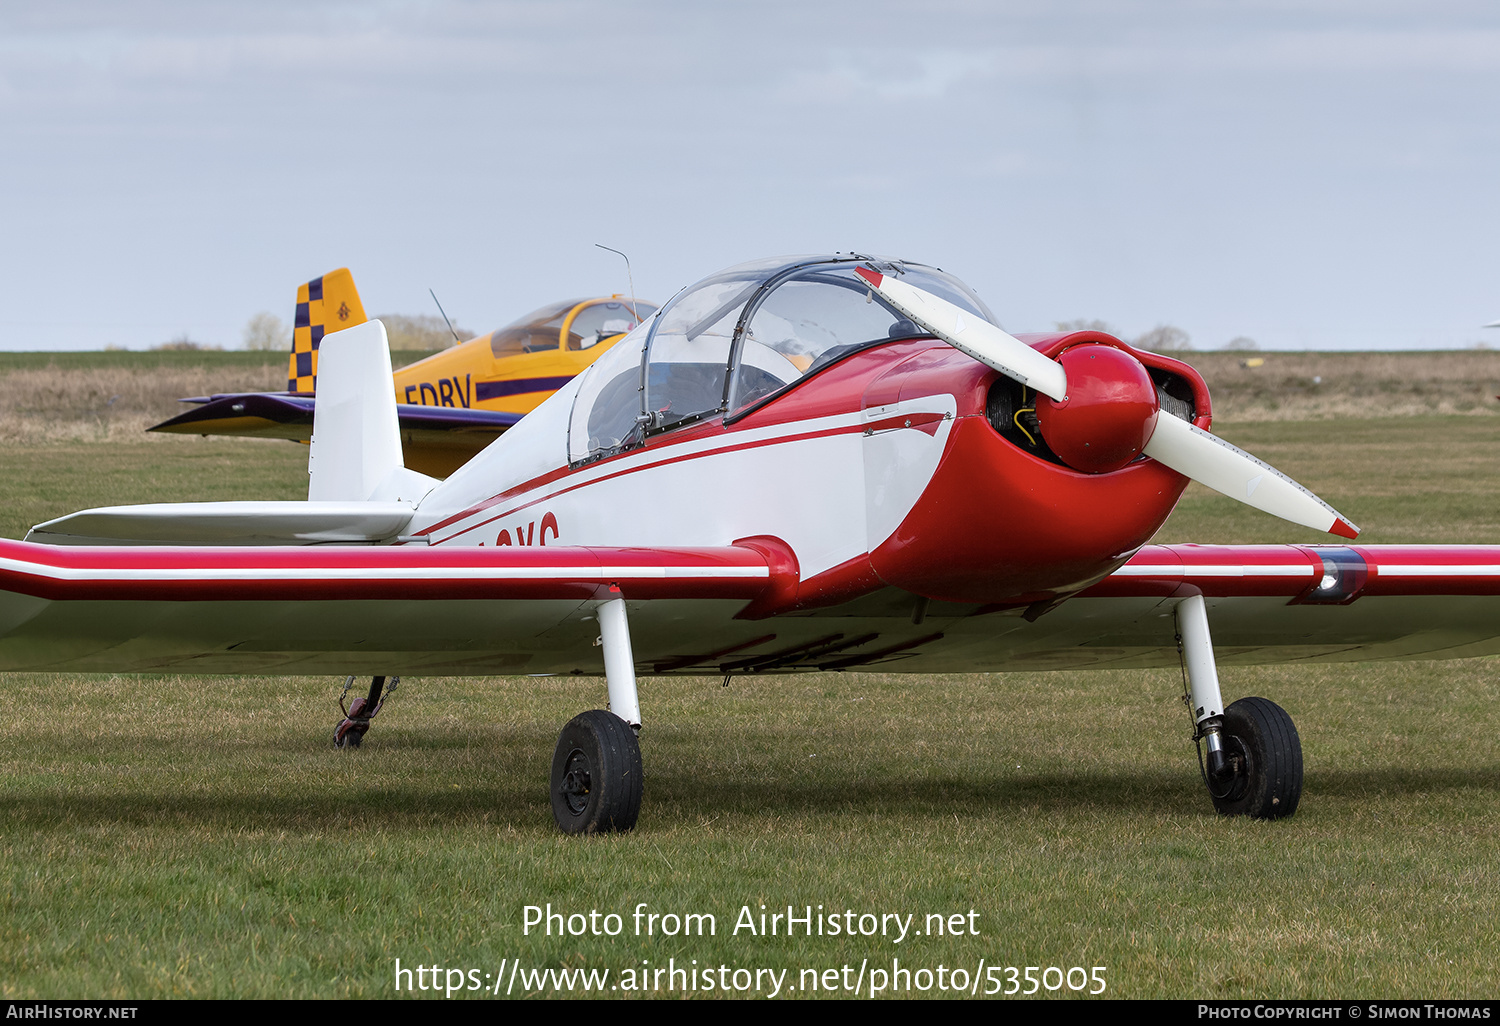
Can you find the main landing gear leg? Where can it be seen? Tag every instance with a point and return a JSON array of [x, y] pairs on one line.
[[351, 730], [596, 769], [1254, 762]]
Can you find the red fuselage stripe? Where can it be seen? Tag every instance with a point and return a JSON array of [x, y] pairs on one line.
[[643, 465]]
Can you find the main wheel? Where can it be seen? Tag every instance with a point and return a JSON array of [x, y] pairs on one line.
[[596, 774], [1265, 762]]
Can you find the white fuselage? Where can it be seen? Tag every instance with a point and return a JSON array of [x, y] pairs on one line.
[[824, 486]]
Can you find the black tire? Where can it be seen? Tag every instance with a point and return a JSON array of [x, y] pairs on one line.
[[1265, 756], [596, 775], [351, 738]]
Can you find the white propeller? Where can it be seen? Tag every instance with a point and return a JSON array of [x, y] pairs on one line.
[[1230, 470], [972, 335], [1187, 449]]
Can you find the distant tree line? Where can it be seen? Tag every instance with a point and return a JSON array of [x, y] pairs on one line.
[[184, 344], [267, 332]]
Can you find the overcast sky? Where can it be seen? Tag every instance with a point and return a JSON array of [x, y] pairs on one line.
[[1310, 174]]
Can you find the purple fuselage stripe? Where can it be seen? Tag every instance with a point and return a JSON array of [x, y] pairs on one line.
[[484, 390]]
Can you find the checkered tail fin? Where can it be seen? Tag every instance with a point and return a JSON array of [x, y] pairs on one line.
[[324, 305]]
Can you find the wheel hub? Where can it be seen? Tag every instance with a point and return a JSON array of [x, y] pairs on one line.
[[1234, 780], [577, 781]]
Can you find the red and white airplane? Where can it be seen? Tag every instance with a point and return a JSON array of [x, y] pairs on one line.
[[809, 464]]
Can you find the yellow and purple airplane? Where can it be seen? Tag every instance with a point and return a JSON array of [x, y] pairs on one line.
[[451, 404]]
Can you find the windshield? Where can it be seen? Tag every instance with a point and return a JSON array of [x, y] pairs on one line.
[[819, 314], [607, 408], [603, 319], [737, 337], [687, 359], [551, 315], [537, 331]]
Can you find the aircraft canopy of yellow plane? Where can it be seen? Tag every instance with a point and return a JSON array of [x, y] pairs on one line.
[[514, 368], [451, 404]]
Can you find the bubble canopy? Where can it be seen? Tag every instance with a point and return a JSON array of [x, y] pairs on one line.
[[735, 339]]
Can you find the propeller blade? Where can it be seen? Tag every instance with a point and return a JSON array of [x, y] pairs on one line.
[[1211, 461], [1189, 450], [971, 334]]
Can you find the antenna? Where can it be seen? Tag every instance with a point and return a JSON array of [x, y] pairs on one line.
[[445, 315], [629, 277]]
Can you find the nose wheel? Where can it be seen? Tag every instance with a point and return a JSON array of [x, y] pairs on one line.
[[596, 775]]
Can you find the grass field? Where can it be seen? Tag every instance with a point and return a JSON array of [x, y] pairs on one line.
[[168, 836]]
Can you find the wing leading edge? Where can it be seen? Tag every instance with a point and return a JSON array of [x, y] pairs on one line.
[[1307, 574], [411, 608], [476, 611]]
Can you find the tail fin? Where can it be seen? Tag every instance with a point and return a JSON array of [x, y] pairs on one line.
[[356, 441], [324, 305]]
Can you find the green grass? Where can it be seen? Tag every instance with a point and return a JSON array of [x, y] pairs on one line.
[[1403, 480], [47, 481], [169, 836]]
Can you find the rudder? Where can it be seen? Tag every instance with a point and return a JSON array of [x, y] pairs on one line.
[[324, 305]]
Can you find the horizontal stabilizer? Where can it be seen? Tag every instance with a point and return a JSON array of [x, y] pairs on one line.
[[227, 523], [245, 415], [435, 440], [283, 415]]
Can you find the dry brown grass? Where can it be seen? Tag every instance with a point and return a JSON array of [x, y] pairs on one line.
[[119, 401], [105, 403], [1287, 386]]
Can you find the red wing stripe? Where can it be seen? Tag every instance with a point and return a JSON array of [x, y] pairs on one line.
[[344, 573], [1438, 570], [1243, 570], [56, 572], [1212, 570]]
